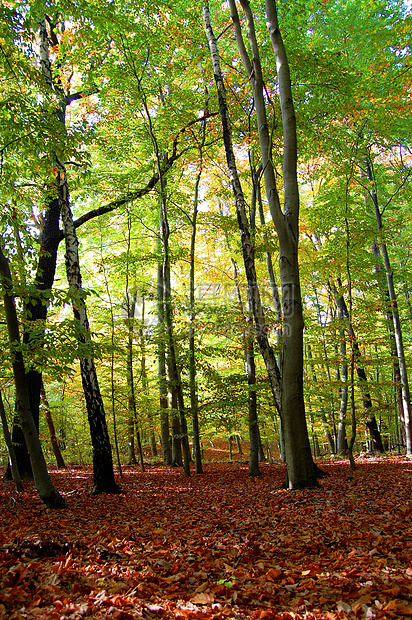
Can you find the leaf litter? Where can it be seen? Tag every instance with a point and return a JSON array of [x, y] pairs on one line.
[[216, 546]]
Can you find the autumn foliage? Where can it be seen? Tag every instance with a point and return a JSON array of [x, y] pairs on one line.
[[219, 546]]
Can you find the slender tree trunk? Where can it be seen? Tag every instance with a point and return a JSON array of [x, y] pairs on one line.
[[353, 413], [192, 317], [176, 429], [55, 444], [173, 371], [131, 414], [397, 330], [145, 381], [103, 474], [342, 441], [252, 401], [325, 423], [301, 469], [367, 401], [261, 452], [47, 493], [161, 367], [132, 422], [250, 368], [10, 448], [391, 338]]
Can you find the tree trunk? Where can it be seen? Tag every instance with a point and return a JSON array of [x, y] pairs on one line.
[[367, 401], [252, 401], [47, 493], [176, 430], [250, 368], [145, 381], [103, 475], [173, 372], [55, 444], [301, 470], [161, 369], [132, 420], [131, 414], [397, 330], [36, 313], [10, 448], [342, 441], [353, 413], [289, 400], [192, 317], [328, 434]]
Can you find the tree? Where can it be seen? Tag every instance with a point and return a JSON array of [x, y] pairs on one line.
[[47, 493], [301, 471]]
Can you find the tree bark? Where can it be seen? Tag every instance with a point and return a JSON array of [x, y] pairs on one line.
[[55, 444], [103, 475], [47, 493], [10, 448], [161, 370], [397, 329], [36, 313], [289, 400], [360, 371], [197, 453], [131, 414], [342, 440], [294, 427]]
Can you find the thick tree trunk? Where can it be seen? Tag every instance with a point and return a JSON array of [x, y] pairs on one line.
[[103, 474], [300, 466], [302, 470], [36, 313], [44, 486]]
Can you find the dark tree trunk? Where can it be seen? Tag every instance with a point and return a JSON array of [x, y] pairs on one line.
[[10, 448], [360, 371], [53, 439], [252, 402], [36, 313], [47, 493], [131, 414], [194, 405]]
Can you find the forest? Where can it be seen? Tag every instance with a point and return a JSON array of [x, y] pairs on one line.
[[205, 279]]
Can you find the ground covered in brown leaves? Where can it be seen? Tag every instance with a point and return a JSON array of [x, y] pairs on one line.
[[216, 546]]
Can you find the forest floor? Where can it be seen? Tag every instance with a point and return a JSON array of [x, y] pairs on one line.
[[215, 546]]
